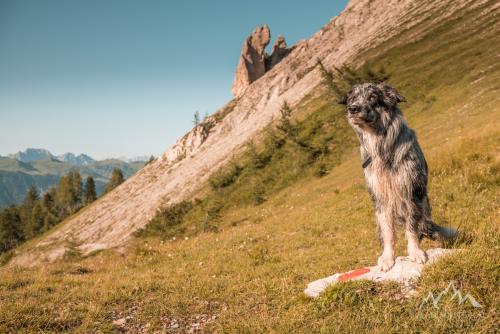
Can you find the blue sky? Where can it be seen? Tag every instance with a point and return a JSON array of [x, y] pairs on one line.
[[124, 78]]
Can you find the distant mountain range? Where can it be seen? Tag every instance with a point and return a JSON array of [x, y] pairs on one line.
[[81, 159], [41, 168], [38, 154], [140, 158]]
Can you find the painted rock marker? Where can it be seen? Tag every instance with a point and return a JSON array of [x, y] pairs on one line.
[[404, 272]]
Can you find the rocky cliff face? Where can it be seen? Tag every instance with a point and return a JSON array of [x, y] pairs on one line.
[[182, 170], [280, 51], [254, 61], [252, 64]]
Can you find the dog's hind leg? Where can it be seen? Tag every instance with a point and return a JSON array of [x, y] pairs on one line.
[[385, 227], [415, 253], [414, 220]]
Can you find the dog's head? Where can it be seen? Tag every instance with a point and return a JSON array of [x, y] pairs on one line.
[[370, 105]]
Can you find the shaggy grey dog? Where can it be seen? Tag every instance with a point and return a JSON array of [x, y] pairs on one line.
[[395, 170]]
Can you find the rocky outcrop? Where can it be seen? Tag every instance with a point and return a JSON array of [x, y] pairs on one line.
[[405, 272], [254, 61], [187, 144], [279, 52], [252, 64]]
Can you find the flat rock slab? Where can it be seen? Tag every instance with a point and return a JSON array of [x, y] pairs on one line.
[[404, 271]]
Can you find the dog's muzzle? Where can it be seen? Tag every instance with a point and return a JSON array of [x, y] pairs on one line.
[[360, 115]]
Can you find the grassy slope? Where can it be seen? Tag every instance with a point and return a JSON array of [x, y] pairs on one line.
[[251, 273]]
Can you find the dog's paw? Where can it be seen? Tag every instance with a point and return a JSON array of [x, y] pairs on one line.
[[418, 256], [385, 263]]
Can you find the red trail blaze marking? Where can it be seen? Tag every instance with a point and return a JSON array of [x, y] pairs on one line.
[[354, 273]]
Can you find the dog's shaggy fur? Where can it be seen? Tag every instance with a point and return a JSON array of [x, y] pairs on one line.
[[395, 169]]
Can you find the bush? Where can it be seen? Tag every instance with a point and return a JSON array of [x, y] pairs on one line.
[[225, 178], [259, 160], [259, 193], [322, 170], [166, 222]]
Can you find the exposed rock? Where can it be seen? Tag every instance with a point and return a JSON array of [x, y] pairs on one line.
[[254, 61], [404, 272], [280, 51], [252, 64], [187, 144], [120, 322]]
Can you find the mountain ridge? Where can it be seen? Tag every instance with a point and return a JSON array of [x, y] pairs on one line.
[[80, 159], [42, 169], [31, 154]]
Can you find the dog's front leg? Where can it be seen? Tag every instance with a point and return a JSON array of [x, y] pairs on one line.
[[385, 226]]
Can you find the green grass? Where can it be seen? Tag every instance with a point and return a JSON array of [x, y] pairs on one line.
[[248, 265]]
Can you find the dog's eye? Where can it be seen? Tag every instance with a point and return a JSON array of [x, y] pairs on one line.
[[373, 98], [353, 109]]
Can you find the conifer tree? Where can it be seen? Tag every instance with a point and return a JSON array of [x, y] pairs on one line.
[[151, 159], [49, 199], [10, 229], [285, 124], [31, 197], [196, 118], [115, 180], [36, 221], [69, 193], [76, 180], [90, 194], [30, 200]]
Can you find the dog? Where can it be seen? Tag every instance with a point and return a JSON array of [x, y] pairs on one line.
[[395, 170]]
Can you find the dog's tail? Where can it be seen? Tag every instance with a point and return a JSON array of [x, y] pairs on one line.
[[434, 231]]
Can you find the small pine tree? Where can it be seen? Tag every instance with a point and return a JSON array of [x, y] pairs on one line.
[[31, 197], [196, 118], [10, 229], [63, 193], [49, 199], [76, 180], [25, 209], [49, 221], [115, 180], [285, 124], [36, 221], [90, 194], [69, 193]]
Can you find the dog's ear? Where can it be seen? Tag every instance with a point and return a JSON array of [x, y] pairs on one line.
[[343, 99], [390, 95]]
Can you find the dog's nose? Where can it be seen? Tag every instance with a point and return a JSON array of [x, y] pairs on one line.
[[353, 109]]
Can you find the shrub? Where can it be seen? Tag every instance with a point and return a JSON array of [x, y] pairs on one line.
[[166, 222], [322, 170], [259, 193], [225, 177]]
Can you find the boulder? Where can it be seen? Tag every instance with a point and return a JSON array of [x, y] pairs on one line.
[[404, 272]]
